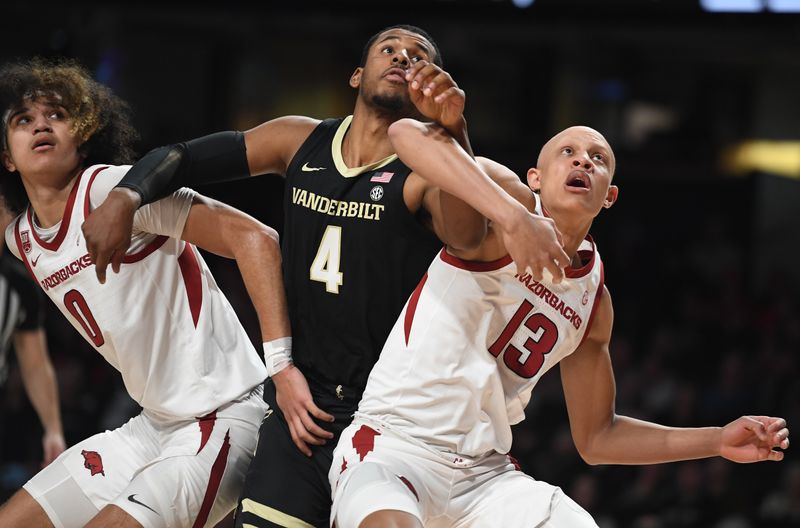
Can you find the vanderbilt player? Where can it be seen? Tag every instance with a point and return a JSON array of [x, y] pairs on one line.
[[360, 230]]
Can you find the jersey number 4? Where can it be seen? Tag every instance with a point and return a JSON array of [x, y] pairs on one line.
[[76, 305], [325, 267], [545, 334]]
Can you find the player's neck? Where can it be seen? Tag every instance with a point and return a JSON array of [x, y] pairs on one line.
[[367, 139], [573, 231], [49, 200]]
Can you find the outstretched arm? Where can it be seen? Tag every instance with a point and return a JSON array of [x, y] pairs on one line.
[[40, 384], [603, 437], [433, 154], [227, 232], [215, 158]]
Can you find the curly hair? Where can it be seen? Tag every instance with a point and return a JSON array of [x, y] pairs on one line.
[[100, 120]]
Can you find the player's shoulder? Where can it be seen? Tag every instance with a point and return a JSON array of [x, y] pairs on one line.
[[103, 178], [508, 180], [290, 124]]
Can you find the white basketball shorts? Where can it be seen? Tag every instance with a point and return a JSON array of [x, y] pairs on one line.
[[163, 472], [375, 468]]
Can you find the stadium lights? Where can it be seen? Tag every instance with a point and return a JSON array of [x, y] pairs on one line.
[[751, 6]]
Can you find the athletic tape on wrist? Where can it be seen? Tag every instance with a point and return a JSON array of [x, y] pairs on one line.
[[277, 355]]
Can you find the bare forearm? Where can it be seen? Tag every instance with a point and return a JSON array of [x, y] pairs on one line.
[[459, 133], [225, 231], [39, 379], [259, 262], [631, 441], [435, 155]]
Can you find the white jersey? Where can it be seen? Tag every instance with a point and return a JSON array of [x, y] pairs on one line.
[[459, 366], [162, 322]]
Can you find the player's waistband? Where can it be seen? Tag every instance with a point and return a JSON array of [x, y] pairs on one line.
[[330, 390]]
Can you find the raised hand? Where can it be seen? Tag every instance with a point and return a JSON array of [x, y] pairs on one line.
[[435, 94], [754, 439], [107, 230], [298, 407]]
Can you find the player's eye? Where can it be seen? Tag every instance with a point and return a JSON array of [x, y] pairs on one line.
[[567, 150], [387, 50], [599, 157]]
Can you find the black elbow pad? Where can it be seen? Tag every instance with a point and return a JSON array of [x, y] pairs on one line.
[[214, 158]]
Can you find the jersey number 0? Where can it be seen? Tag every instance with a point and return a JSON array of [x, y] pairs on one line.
[[76, 305]]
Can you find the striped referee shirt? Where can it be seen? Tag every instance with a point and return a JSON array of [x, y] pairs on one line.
[[21, 304]]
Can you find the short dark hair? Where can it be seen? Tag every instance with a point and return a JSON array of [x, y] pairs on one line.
[[437, 55], [101, 120]]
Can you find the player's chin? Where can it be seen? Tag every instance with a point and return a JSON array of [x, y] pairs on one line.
[[393, 101]]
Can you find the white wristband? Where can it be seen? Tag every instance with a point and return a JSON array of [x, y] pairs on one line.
[[277, 355]]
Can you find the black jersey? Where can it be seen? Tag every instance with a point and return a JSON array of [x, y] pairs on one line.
[[21, 303], [352, 254]]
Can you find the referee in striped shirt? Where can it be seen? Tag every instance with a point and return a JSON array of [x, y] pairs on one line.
[[22, 322]]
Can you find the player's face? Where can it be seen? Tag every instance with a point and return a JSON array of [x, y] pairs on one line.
[[381, 81], [574, 173], [40, 141]]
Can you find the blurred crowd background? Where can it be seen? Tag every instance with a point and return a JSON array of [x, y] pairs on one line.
[[702, 251]]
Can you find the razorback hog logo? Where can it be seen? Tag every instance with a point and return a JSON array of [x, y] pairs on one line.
[[93, 462]]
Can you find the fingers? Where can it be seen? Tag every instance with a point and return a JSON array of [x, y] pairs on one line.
[[775, 456], [556, 270], [319, 414], [100, 265], [781, 438], [756, 426], [775, 424], [453, 91], [305, 432], [116, 260], [775, 432], [429, 78], [536, 272], [317, 434], [297, 440]]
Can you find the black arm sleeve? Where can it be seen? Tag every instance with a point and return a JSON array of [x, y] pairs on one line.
[[214, 158]]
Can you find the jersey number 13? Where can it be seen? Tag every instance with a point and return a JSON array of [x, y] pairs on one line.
[[544, 336]]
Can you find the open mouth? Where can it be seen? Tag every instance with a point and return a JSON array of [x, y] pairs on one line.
[[42, 144], [578, 180]]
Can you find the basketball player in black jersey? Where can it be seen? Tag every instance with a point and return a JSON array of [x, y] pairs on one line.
[[359, 232]]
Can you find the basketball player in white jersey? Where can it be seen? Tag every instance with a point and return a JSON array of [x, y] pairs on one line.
[[162, 322], [429, 443]]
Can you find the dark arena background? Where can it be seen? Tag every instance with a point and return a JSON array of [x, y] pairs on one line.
[[701, 102]]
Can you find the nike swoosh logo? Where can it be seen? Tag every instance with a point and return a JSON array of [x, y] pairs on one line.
[[131, 498], [306, 168], [36, 260]]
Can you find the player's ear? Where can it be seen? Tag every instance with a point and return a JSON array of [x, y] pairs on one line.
[[534, 179], [355, 79], [8, 163], [611, 196]]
